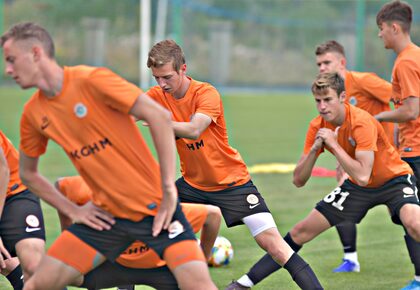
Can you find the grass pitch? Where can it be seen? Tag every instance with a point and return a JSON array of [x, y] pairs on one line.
[[266, 129]]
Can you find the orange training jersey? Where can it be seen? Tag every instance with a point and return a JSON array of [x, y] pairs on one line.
[[369, 92], [137, 255], [208, 163], [12, 157], [406, 83], [361, 132], [89, 119]]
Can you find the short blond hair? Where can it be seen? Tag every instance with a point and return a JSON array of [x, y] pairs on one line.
[[325, 81], [30, 31], [165, 52]]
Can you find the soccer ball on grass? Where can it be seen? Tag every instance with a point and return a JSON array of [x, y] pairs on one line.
[[221, 253]]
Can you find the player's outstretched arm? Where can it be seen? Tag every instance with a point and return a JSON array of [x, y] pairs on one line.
[[159, 120], [306, 163], [408, 111], [91, 215], [193, 129], [210, 229]]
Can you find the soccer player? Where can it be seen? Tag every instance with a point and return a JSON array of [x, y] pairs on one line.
[[370, 93], [394, 22], [22, 231], [212, 171], [139, 264], [90, 113], [366, 91], [377, 175]]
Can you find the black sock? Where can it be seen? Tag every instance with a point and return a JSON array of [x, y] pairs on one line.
[[266, 265], [16, 278], [347, 232], [288, 239], [302, 273], [413, 248]]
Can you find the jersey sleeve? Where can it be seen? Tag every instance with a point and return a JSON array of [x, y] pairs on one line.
[[115, 91], [209, 103], [365, 134], [310, 137], [409, 79], [32, 142], [376, 87], [75, 189]]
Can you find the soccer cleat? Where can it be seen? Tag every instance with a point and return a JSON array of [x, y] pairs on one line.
[[236, 286], [413, 285], [347, 266]]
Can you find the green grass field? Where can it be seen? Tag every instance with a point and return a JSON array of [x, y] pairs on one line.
[[266, 129]]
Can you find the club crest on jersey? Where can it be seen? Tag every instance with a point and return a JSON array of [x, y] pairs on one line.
[[80, 110], [32, 221], [353, 101]]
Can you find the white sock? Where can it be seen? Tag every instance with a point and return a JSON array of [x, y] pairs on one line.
[[352, 257], [245, 281], [417, 278]]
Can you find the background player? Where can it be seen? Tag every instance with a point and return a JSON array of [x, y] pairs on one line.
[[138, 263], [22, 231], [394, 22]]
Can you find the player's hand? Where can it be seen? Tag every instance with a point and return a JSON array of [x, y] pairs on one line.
[[328, 136], [166, 211], [4, 255], [317, 144], [93, 216]]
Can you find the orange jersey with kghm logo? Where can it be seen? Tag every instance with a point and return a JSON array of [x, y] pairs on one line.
[[405, 84], [90, 120], [208, 163], [362, 132], [12, 157], [138, 254], [369, 92]]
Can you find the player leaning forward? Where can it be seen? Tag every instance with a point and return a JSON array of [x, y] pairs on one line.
[[377, 175], [88, 112], [212, 171]]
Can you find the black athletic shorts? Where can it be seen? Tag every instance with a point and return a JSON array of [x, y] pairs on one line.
[[111, 243], [351, 202], [235, 202], [414, 163], [21, 219], [109, 275]]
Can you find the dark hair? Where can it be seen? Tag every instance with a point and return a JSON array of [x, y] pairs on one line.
[[164, 52], [325, 81], [30, 31], [397, 11], [329, 46]]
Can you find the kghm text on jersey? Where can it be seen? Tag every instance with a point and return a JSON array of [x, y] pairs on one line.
[[196, 145], [91, 148]]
